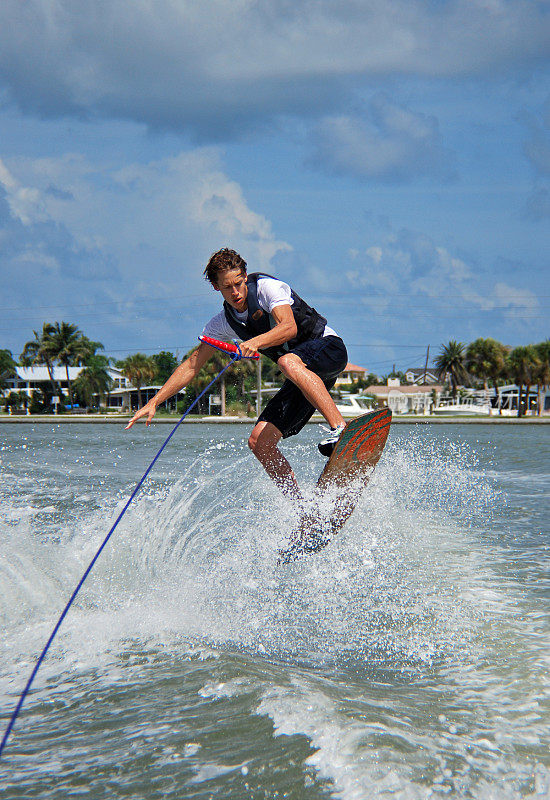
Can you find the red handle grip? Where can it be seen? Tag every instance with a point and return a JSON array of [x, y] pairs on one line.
[[225, 347]]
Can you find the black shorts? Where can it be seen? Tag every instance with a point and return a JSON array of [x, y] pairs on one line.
[[289, 410]]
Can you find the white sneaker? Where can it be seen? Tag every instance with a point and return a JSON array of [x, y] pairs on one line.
[[326, 446]]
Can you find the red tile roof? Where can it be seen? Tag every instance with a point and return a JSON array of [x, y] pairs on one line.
[[354, 368]]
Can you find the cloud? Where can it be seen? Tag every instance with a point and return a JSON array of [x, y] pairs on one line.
[[515, 300], [410, 271], [77, 232], [389, 142], [215, 68], [36, 247]]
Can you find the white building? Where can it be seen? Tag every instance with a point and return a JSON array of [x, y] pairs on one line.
[[421, 376], [406, 399], [507, 398], [29, 379], [123, 396]]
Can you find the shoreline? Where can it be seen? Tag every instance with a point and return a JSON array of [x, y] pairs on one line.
[[120, 419]]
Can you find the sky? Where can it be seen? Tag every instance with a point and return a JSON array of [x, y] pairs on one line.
[[390, 159]]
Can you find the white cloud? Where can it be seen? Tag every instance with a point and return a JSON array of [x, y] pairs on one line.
[[388, 142], [515, 299], [24, 201], [411, 271], [217, 67], [93, 234]]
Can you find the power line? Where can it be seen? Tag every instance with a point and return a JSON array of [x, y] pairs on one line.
[[343, 299], [425, 315], [124, 301]]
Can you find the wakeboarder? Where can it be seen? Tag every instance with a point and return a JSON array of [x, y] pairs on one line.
[[268, 316]]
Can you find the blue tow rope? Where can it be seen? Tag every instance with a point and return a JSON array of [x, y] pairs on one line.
[[237, 357]]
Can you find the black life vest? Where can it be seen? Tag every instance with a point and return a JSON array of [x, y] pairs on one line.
[[310, 323]]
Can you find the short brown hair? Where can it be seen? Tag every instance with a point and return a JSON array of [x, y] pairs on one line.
[[223, 261]]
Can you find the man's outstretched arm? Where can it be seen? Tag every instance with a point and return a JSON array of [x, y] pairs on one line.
[[181, 376]]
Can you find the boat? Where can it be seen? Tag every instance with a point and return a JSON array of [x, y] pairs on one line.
[[467, 407], [352, 405]]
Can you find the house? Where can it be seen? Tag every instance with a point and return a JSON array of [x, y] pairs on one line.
[[126, 398], [29, 379], [351, 373], [123, 396], [405, 399], [506, 400], [421, 375]]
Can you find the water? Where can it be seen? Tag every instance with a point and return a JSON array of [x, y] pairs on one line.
[[410, 659]]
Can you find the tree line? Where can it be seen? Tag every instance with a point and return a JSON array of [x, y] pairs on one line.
[[484, 362], [489, 362], [62, 344]]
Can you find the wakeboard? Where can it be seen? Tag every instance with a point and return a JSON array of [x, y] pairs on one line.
[[349, 468]]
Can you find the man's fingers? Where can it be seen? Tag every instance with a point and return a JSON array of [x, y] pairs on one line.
[[137, 415]]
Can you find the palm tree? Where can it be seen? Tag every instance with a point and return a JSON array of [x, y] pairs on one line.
[[451, 362], [486, 359], [165, 363], [94, 379], [215, 363], [543, 371], [242, 370], [7, 367], [66, 348], [139, 369], [522, 366], [87, 349], [39, 351]]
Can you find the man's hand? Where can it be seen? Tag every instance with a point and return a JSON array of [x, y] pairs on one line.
[[148, 411], [284, 330], [249, 348]]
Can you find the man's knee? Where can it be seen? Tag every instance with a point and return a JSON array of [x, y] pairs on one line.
[[290, 365], [263, 438]]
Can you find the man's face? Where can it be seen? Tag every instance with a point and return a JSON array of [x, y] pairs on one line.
[[232, 285]]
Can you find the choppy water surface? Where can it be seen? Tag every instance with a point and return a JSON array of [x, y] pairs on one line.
[[410, 659]]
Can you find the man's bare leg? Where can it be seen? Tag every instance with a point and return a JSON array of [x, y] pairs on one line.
[[311, 386], [263, 443]]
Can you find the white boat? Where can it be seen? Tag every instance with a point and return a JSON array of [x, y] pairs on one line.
[[466, 407], [352, 405]]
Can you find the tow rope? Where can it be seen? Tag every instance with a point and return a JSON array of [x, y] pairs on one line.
[[235, 351]]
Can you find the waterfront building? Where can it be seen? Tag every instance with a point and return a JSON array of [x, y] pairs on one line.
[[123, 396], [421, 376], [29, 379], [406, 399], [351, 373]]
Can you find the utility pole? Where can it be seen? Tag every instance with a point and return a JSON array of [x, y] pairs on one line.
[[426, 365], [259, 387], [222, 393]]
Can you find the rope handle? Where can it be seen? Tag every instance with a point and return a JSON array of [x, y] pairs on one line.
[[226, 347]]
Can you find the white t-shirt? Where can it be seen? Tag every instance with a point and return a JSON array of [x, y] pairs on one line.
[[271, 293]]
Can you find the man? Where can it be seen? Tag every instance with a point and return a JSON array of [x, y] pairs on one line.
[[270, 318]]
